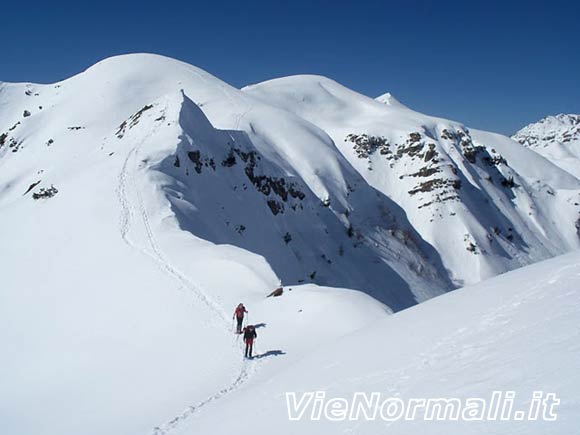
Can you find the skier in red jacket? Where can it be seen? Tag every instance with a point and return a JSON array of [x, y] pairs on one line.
[[239, 315]]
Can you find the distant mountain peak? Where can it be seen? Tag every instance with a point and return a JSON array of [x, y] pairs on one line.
[[555, 137], [553, 129]]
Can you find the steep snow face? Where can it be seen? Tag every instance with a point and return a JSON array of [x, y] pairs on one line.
[[302, 237], [265, 180], [517, 332], [555, 137], [484, 202]]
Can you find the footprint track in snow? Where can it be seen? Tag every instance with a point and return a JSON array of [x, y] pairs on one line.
[[129, 211]]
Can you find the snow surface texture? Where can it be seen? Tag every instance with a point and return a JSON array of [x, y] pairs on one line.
[[141, 200], [517, 332]]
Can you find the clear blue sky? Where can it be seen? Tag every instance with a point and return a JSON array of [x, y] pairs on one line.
[[490, 64]]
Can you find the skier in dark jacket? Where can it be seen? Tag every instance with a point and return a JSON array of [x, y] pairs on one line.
[[239, 315], [249, 336]]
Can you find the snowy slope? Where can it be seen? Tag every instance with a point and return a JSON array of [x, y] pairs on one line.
[[555, 137], [112, 315], [102, 332], [142, 199], [461, 189], [518, 332]]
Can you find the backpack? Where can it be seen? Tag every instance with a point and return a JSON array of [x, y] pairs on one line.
[[249, 332]]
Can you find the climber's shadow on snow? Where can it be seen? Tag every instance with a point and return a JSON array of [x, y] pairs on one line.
[[269, 353]]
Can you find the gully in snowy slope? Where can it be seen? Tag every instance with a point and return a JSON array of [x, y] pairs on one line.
[[249, 336], [239, 315]]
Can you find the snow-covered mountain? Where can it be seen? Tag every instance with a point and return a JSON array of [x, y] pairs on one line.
[[228, 169], [314, 177], [142, 199], [555, 137], [485, 203]]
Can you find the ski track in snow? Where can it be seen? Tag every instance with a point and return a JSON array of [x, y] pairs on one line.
[[187, 413], [129, 209], [241, 115]]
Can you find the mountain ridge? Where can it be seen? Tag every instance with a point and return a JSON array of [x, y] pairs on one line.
[[425, 171]]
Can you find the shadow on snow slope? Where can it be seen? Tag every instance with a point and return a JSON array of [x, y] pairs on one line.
[[222, 189]]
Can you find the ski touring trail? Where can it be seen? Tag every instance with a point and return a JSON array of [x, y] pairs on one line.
[[133, 210]]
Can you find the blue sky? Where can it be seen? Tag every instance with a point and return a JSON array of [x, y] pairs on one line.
[[492, 65]]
